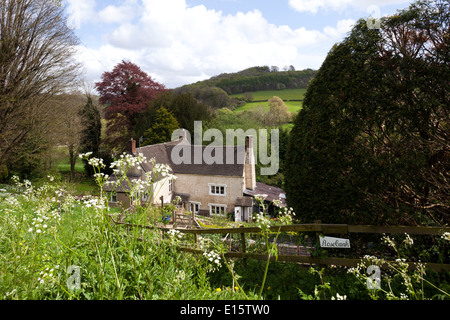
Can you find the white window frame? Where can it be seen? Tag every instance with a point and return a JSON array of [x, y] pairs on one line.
[[170, 185], [215, 206], [215, 187], [113, 197]]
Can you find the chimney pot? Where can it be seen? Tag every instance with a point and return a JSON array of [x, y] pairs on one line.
[[248, 142]]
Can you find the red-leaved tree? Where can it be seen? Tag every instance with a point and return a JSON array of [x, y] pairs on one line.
[[125, 91]]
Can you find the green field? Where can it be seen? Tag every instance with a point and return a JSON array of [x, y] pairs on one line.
[[286, 94], [261, 97], [293, 106], [81, 183]]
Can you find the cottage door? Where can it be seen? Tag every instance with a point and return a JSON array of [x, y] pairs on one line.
[[249, 215], [237, 214]]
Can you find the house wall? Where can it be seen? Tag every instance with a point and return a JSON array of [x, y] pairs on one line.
[[161, 188], [198, 186], [122, 200]]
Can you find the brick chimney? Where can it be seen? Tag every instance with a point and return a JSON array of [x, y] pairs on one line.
[[249, 171], [132, 146]]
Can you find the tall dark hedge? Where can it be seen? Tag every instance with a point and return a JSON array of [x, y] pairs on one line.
[[91, 133], [372, 142]]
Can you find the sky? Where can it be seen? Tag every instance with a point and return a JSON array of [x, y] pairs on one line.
[[179, 42]]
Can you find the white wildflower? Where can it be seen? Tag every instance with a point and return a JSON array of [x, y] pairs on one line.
[[408, 241], [213, 257], [339, 297]]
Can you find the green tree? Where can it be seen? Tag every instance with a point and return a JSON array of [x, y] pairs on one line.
[[371, 142], [188, 109], [278, 112], [91, 133], [184, 107], [163, 127]]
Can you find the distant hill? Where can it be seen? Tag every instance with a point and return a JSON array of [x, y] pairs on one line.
[[256, 79], [216, 91]]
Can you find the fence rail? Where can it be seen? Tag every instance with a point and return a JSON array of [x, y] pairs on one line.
[[313, 227]]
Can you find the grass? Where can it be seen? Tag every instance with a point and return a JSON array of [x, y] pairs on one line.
[[42, 235], [262, 97], [81, 183], [293, 106], [286, 94]]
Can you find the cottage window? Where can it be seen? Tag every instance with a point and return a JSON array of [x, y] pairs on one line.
[[217, 209], [217, 189], [113, 197]]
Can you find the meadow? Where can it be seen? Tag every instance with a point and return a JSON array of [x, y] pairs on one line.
[[261, 97]]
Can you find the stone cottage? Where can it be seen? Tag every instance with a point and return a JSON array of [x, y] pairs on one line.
[[209, 180]]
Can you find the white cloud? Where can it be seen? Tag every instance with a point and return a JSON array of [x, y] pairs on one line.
[[314, 6], [121, 14], [177, 44], [343, 27], [80, 11]]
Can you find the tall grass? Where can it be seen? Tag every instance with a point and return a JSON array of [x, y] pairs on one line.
[[44, 233]]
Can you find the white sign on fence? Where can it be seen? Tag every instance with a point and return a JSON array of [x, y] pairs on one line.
[[330, 242]]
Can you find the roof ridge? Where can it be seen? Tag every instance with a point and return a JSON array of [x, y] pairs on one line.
[[159, 144]]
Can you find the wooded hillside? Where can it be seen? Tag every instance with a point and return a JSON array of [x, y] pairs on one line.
[[216, 90], [256, 79]]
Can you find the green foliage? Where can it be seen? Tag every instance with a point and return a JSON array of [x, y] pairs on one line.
[[256, 79], [228, 90], [187, 109], [163, 127], [184, 107], [91, 133], [28, 159], [278, 111], [369, 145]]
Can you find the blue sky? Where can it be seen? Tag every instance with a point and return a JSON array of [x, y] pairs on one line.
[[180, 42]]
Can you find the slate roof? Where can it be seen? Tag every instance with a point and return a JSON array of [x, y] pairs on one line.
[[244, 202], [163, 154], [273, 193]]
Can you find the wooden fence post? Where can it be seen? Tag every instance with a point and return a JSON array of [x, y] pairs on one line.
[[317, 231], [174, 215], [244, 249]]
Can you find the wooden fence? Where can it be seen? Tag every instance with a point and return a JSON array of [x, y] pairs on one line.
[[317, 228]]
